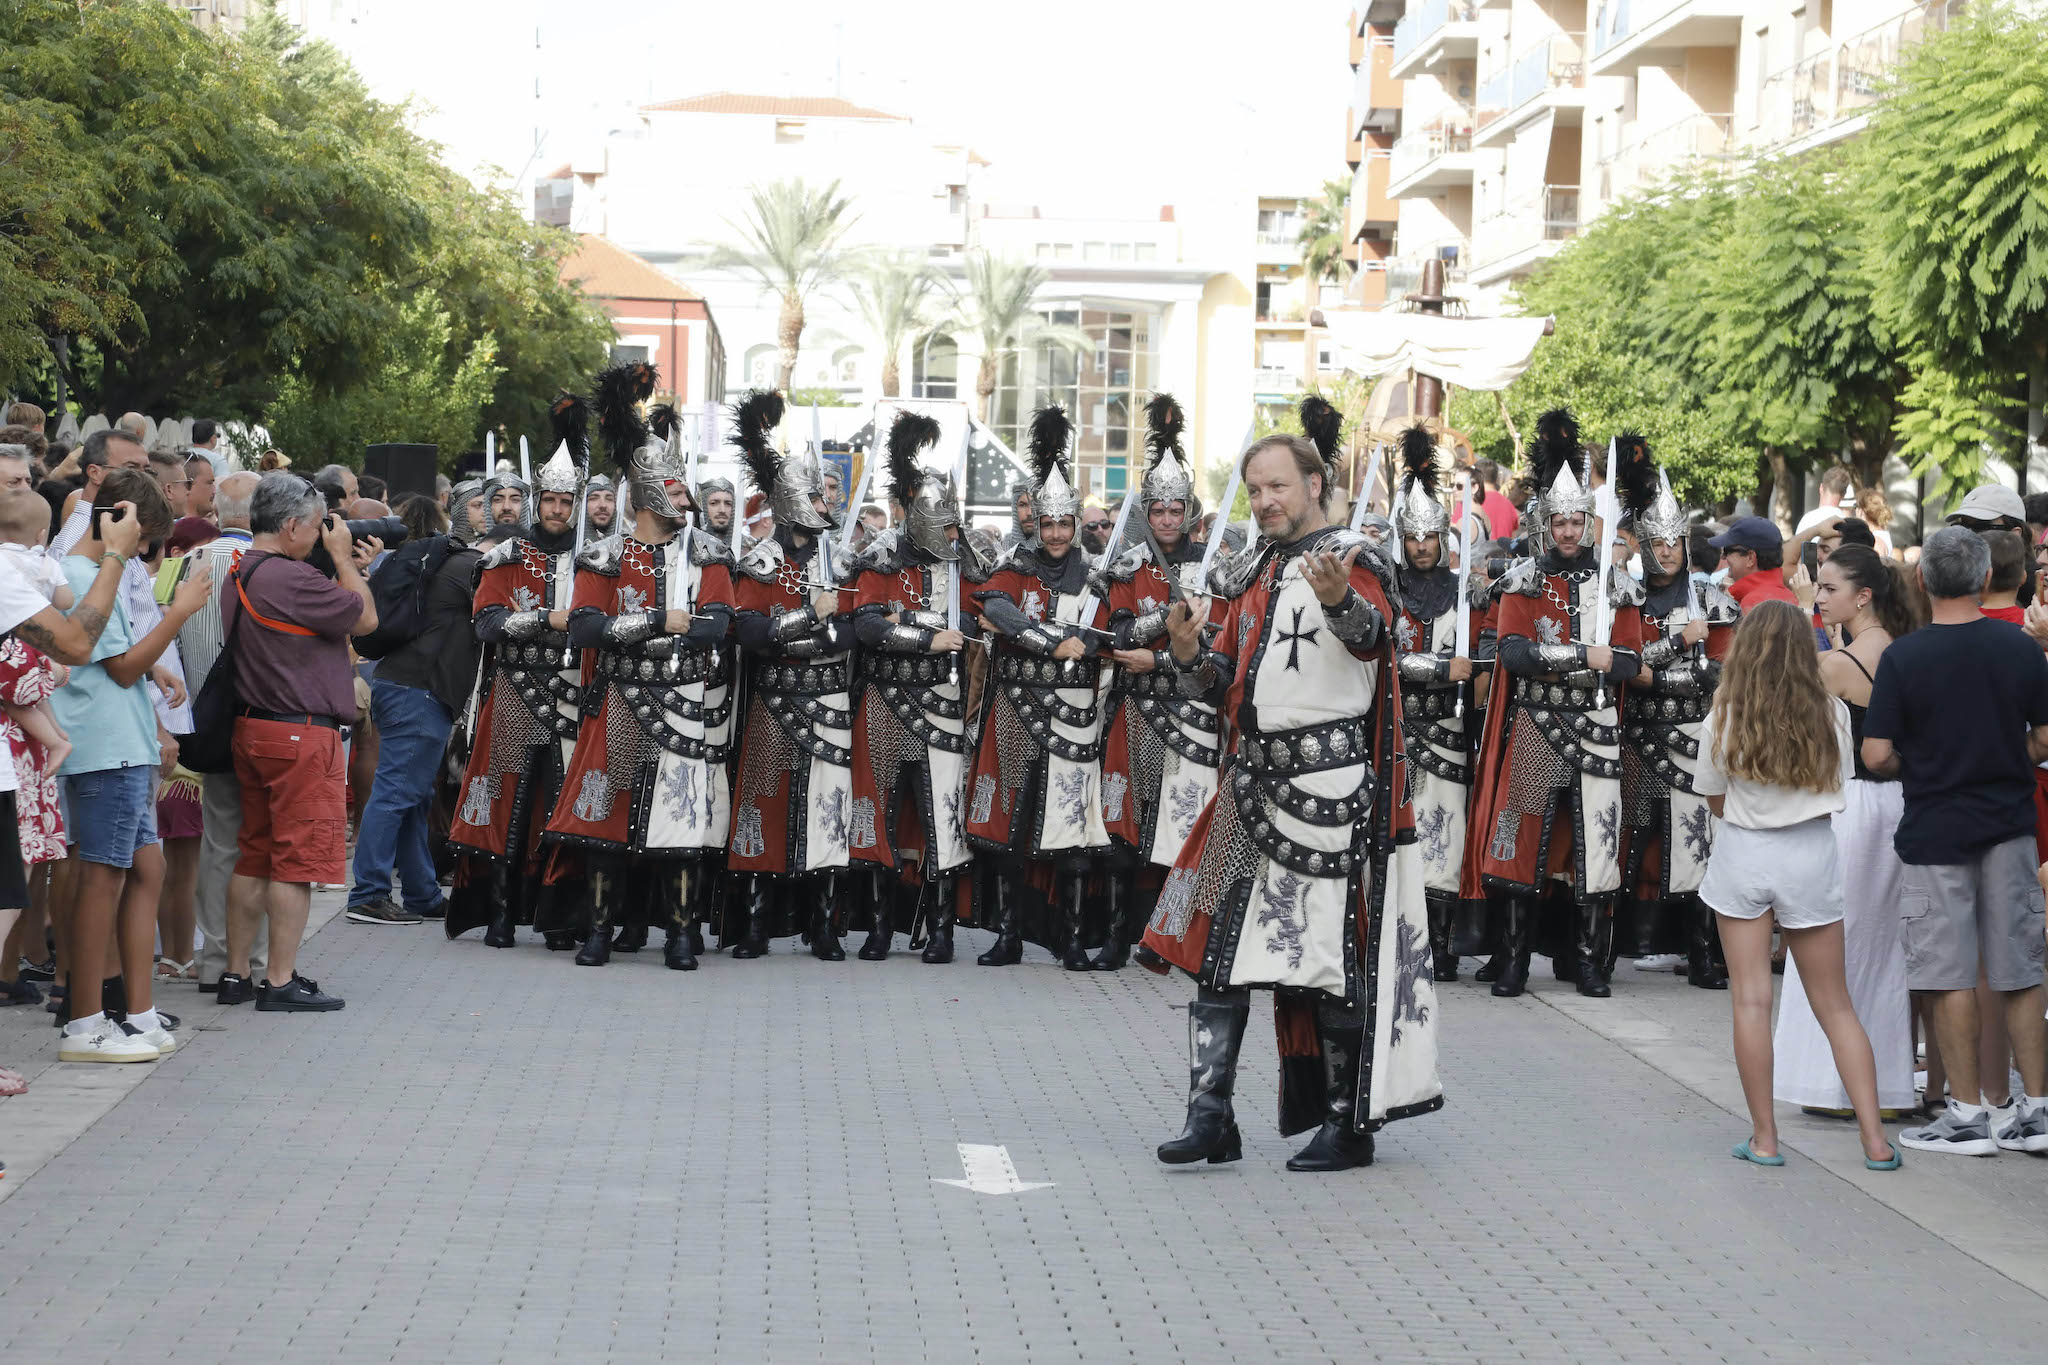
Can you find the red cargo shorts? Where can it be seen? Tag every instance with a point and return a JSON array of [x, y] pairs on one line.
[[294, 804]]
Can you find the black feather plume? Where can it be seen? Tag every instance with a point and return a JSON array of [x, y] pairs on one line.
[[661, 419], [1322, 424], [1418, 457], [759, 413], [621, 389], [569, 420], [1050, 431], [1164, 423], [908, 434], [1556, 447], [1635, 481]]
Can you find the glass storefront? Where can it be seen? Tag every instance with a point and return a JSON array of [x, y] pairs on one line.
[[1103, 389]]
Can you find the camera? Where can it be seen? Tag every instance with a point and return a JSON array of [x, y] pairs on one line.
[[390, 530]]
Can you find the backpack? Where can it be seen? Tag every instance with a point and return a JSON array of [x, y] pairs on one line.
[[210, 748], [399, 587]]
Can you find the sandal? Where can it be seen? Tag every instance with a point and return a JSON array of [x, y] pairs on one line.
[[1897, 1158], [1742, 1152], [20, 993]]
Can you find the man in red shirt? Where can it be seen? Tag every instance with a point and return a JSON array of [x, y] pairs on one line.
[[1754, 552]]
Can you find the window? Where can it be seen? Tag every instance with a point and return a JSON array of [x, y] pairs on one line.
[[1265, 313], [1063, 251], [1147, 251], [789, 130], [1105, 388], [935, 368], [1044, 251], [1119, 251], [1094, 251], [629, 355], [956, 199], [846, 364], [760, 366], [1326, 356]]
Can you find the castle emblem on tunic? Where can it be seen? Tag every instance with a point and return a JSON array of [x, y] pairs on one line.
[[476, 802], [593, 798], [1502, 850], [984, 799], [747, 840], [863, 835], [1113, 797]]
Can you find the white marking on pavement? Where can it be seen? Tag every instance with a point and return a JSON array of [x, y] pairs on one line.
[[989, 1170]]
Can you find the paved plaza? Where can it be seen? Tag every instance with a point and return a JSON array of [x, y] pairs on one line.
[[498, 1156]]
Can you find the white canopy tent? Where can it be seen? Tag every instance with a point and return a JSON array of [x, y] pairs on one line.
[[1470, 353]]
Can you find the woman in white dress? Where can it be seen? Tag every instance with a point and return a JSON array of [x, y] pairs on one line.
[[1858, 589]]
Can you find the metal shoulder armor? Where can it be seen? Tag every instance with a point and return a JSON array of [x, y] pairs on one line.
[[602, 557], [1523, 577]]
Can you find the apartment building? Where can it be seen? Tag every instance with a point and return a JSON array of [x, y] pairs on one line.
[[1521, 120]]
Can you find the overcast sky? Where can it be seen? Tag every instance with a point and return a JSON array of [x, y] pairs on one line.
[[1079, 104]]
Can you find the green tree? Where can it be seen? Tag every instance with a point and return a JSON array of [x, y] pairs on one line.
[[897, 296], [416, 390], [790, 243], [998, 309], [1322, 234], [1958, 238]]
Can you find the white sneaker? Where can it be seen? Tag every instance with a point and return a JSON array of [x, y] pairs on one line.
[[160, 1038], [105, 1042], [1658, 962], [2022, 1128]]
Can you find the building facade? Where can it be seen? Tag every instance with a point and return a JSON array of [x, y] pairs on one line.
[[1514, 122], [655, 318]]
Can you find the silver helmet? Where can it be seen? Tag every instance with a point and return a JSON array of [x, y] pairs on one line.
[[788, 482], [459, 498], [1052, 493], [1556, 460], [569, 419], [931, 507], [1645, 493], [657, 470], [1418, 507], [1166, 479], [559, 474], [498, 482]]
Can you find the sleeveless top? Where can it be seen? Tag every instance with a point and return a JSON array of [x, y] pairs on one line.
[[1856, 726]]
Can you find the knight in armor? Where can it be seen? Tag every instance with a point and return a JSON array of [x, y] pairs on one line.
[[600, 508], [1288, 882], [1437, 670], [505, 499], [1550, 767], [527, 714], [1160, 749], [719, 503], [1036, 794], [793, 810], [468, 516], [910, 740], [1687, 627], [645, 796]]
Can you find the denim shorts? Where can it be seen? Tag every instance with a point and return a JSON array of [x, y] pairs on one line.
[[113, 813]]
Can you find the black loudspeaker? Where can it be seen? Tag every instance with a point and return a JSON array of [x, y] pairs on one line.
[[405, 469]]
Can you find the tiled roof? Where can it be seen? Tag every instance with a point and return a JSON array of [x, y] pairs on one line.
[[603, 269], [781, 106]]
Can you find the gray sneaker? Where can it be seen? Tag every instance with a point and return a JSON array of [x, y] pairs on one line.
[[1951, 1132], [382, 912], [2024, 1130]]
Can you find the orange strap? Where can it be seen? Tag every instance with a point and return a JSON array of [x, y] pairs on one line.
[[262, 620]]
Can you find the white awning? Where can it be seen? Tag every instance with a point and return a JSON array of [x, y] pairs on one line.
[[1472, 353]]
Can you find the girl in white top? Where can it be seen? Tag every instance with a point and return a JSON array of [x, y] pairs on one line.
[[1775, 757]]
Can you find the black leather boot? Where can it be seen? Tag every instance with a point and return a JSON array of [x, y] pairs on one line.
[[754, 938], [504, 888], [597, 947], [1337, 1145], [677, 954], [1216, 1021], [936, 899], [1008, 949], [631, 938], [881, 913], [824, 931], [1517, 913], [1116, 949], [1703, 965], [1074, 895], [1442, 959], [1490, 970], [1595, 927]]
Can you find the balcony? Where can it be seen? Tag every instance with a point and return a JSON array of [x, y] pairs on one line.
[[1367, 287], [1432, 34], [1404, 273], [1375, 94], [1278, 248], [1276, 381], [1824, 97], [1628, 34], [1692, 141], [1370, 202], [1507, 243], [1432, 158], [1549, 75]]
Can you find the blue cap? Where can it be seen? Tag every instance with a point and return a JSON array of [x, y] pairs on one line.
[[1749, 533]]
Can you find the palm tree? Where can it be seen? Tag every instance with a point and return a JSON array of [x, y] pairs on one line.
[[997, 308], [1322, 235], [790, 243], [896, 296]]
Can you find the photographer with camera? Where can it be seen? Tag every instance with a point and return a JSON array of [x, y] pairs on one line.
[[296, 687], [426, 651]]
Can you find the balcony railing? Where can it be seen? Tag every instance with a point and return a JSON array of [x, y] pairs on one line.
[[1423, 20], [1551, 216], [1556, 63], [1448, 133], [1843, 80], [1372, 87], [1369, 202], [1404, 273], [1695, 139], [1276, 379]]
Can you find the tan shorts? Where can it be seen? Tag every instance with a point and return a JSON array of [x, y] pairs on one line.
[[1952, 916]]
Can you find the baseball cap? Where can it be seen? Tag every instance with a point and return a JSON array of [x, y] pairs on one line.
[[1749, 533], [1993, 502]]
